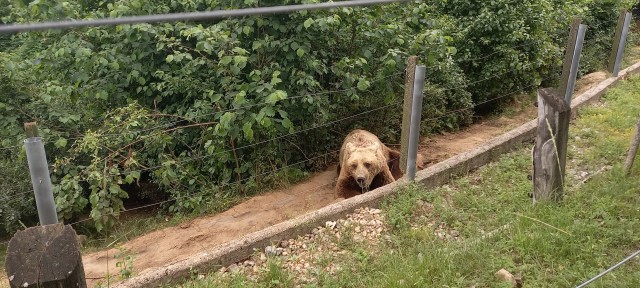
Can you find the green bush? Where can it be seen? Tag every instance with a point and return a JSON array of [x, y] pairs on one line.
[[17, 202], [190, 108], [504, 46], [601, 17], [185, 105]]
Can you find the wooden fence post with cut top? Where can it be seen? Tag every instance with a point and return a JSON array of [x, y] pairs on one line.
[[45, 256], [550, 151], [554, 114], [633, 150]]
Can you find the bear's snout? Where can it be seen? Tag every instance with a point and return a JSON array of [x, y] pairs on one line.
[[361, 181]]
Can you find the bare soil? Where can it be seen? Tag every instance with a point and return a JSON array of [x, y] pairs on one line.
[[180, 242]]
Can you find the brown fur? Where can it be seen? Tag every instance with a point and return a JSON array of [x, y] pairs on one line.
[[364, 155]]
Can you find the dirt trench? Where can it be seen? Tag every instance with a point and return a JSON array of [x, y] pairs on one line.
[[172, 244]]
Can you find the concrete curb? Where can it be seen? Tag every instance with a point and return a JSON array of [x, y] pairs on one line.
[[432, 176]]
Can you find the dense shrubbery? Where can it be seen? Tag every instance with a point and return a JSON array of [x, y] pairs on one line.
[[188, 107], [17, 205]]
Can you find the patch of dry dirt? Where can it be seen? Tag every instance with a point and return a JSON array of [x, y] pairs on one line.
[[176, 243]]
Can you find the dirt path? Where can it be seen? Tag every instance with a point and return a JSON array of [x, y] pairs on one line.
[[176, 243]]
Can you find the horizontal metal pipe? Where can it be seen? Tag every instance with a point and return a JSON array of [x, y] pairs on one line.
[[173, 17]]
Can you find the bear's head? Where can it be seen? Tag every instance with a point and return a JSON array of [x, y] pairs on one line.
[[364, 163]]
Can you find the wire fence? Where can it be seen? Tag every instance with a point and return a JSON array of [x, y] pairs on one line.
[[193, 120], [275, 171], [279, 137]]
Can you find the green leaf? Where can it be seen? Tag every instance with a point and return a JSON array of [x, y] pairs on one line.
[[225, 60], [93, 199], [308, 23], [363, 84], [239, 99], [286, 123], [169, 58], [225, 120], [300, 52], [276, 96], [60, 143], [248, 132], [246, 30], [239, 59]]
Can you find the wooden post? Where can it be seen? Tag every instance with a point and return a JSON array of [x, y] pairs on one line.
[[633, 150], [406, 111], [45, 256], [550, 151], [31, 129], [554, 113]]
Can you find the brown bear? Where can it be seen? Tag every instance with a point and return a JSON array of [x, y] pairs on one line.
[[365, 164]]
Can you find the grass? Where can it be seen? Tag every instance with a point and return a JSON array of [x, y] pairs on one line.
[[548, 245], [486, 200]]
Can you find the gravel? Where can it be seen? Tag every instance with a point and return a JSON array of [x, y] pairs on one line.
[[307, 256], [303, 257]]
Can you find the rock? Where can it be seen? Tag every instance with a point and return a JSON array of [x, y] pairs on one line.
[[233, 268], [506, 276], [330, 224], [279, 251], [270, 251]]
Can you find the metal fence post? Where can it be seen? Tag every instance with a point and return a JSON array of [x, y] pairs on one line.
[[416, 113], [575, 62], [40, 178], [619, 41], [410, 73]]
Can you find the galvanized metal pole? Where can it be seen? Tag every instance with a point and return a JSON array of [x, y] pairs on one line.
[[575, 62], [621, 44], [410, 74], [416, 112], [40, 178]]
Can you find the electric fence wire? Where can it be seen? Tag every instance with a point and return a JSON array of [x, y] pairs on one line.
[[375, 80], [258, 143], [188, 196], [319, 126], [193, 118], [323, 155], [192, 195]]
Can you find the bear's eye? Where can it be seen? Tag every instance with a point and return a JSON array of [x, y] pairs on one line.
[[354, 165], [367, 164]]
